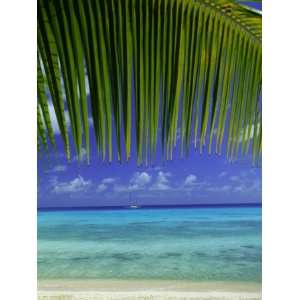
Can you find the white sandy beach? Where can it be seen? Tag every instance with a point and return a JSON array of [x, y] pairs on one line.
[[146, 290]]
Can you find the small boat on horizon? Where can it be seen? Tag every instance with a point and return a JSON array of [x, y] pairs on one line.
[[133, 206]]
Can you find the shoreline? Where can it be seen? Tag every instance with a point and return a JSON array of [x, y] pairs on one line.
[[105, 289]]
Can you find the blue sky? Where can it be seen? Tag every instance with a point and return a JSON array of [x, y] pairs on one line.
[[198, 179]]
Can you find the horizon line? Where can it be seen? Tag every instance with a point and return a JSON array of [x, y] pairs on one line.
[[121, 207]]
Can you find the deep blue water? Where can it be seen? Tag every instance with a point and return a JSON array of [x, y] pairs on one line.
[[199, 244]]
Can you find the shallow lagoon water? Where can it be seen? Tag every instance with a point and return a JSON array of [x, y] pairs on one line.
[[191, 244]]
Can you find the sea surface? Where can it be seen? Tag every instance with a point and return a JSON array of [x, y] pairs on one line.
[[196, 244]]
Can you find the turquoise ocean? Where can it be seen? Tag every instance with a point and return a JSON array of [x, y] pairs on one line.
[[191, 244]]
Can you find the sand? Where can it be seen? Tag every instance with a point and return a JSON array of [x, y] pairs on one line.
[[146, 290]]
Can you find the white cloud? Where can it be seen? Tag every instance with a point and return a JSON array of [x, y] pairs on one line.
[[162, 181], [139, 180], [108, 180], [162, 177], [76, 185], [101, 188], [160, 187], [190, 180], [191, 183]]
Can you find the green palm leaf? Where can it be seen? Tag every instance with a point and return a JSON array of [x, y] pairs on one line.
[[47, 49], [159, 63], [43, 103]]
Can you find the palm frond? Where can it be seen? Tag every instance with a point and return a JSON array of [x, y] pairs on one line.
[[152, 66]]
